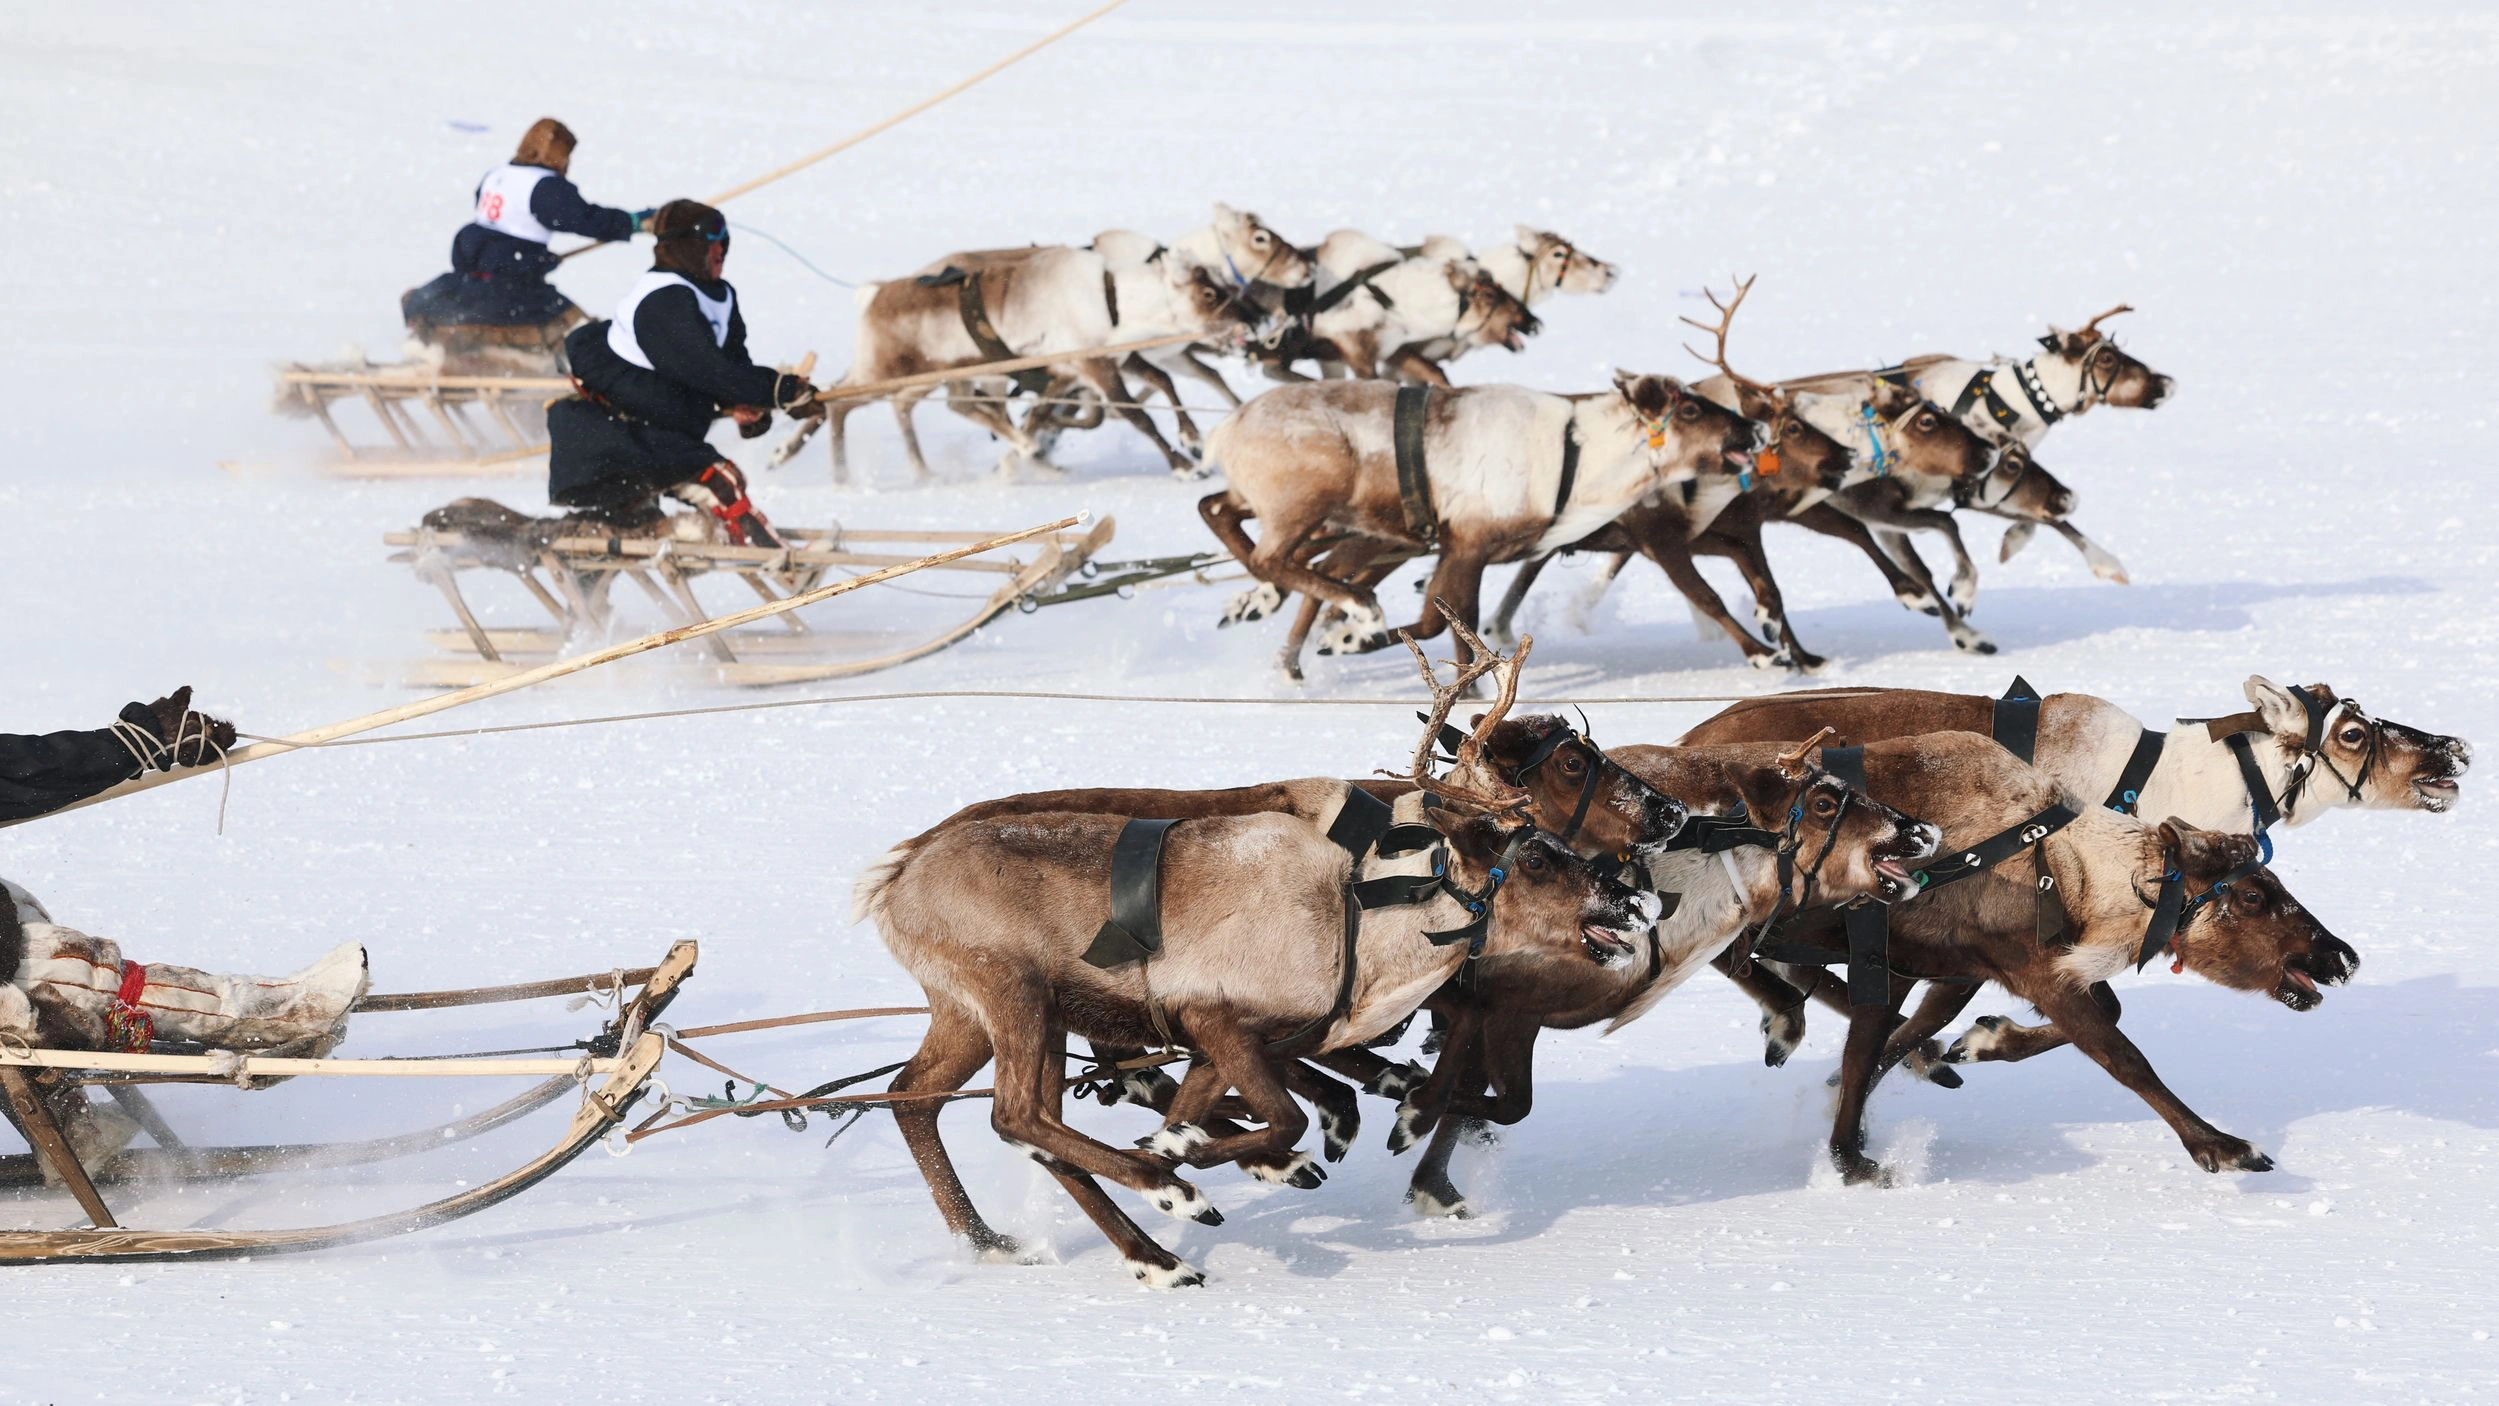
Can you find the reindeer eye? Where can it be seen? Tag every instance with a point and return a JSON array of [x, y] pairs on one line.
[[1573, 766], [1533, 862], [2353, 736], [1688, 412], [1259, 240], [1823, 805], [1926, 423]]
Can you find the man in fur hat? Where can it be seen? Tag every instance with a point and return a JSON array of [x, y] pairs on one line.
[[500, 259], [61, 988], [654, 377]]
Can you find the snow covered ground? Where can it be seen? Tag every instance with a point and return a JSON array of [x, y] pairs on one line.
[[2297, 199]]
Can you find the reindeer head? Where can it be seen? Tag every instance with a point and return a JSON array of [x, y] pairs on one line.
[[1543, 894], [1862, 846], [1575, 792], [1256, 253], [1500, 319], [1792, 445], [1554, 264], [1688, 434], [1547, 899], [1209, 304], [2340, 750], [2247, 932], [1924, 438], [2100, 371], [2020, 486]]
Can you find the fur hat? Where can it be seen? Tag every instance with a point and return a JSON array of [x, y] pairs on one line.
[[547, 143], [686, 230]]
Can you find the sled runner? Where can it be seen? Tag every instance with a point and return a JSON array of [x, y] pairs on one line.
[[610, 1070], [571, 578], [433, 423]]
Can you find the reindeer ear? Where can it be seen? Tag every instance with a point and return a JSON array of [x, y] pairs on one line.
[[1768, 794], [1527, 238], [1647, 394], [2203, 854], [1227, 218], [2284, 714]]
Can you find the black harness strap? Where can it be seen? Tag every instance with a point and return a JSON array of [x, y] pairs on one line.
[[1361, 280], [1994, 850], [1414, 485], [1570, 466], [1360, 824], [1868, 925], [1135, 929], [2172, 909], [1110, 296], [2016, 725], [1711, 834], [1982, 389], [2259, 795], [2139, 766], [977, 326]]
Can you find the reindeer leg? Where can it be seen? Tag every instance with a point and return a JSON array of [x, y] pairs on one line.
[[1192, 365], [1897, 545], [1831, 522], [836, 425], [1583, 607], [1159, 379], [1867, 1028], [1422, 1108], [904, 404], [1275, 561], [1457, 580], [2103, 563], [2095, 1033], [1503, 1055], [1102, 373], [952, 1051], [1026, 448], [1505, 615], [1029, 1068], [1410, 364], [1741, 544], [1993, 1038], [1339, 1112], [1675, 559], [1782, 1006], [1914, 1041]]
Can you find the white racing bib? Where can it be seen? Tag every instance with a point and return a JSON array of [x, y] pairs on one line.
[[620, 338], [503, 202]]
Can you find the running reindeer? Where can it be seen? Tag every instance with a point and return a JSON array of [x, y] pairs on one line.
[[1480, 475], [1250, 964], [2295, 754]]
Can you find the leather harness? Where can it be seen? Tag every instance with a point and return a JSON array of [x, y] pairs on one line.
[[1414, 482], [983, 332]]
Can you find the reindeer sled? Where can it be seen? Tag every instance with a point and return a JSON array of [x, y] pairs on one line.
[[429, 422], [607, 1072], [569, 570]]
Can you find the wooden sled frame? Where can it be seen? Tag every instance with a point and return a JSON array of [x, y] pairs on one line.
[[572, 578], [474, 431], [621, 1061]]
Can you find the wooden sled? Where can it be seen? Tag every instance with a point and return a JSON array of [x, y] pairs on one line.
[[611, 1072], [572, 579], [435, 424]]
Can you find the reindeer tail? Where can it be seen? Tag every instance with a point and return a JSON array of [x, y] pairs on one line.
[[868, 891]]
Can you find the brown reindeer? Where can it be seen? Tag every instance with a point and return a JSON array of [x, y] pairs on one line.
[[2313, 749], [1308, 459], [1257, 960], [2095, 885]]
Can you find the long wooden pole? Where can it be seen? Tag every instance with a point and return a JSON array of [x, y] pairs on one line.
[[559, 668], [272, 1067], [901, 117], [870, 390]]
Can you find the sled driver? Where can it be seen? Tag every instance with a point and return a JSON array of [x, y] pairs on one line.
[[654, 377], [63, 989], [500, 259]]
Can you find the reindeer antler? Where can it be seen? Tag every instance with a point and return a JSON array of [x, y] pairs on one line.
[[1726, 319], [1493, 798], [1793, 763], [2093, 325]]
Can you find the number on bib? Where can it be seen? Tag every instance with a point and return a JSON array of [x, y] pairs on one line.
[[491, 207]]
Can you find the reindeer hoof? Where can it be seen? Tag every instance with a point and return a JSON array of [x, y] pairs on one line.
[[1397, 1081], [1256, 603], [1446, 1202], [1409, 1129], [1927, 1062], [1768, 659], [1181, 1201], [1975, 644], [1336, 1135], [2229, 1154], [1781, 1033], [1176, 1275], [1979, 1042], [992, 1248], [1295, 1171], [1177, 1143], [1857, 1169]]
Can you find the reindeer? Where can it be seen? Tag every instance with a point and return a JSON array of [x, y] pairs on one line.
[[1536, 265], [1040, 300], [2309, 750], [2015, 402], [1836, 843], [2098, 887], [1261, 265], [1258, 959], [1376, 308], [1491, 486]]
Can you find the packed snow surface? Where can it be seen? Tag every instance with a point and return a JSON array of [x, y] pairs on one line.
[[2298, 200]]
